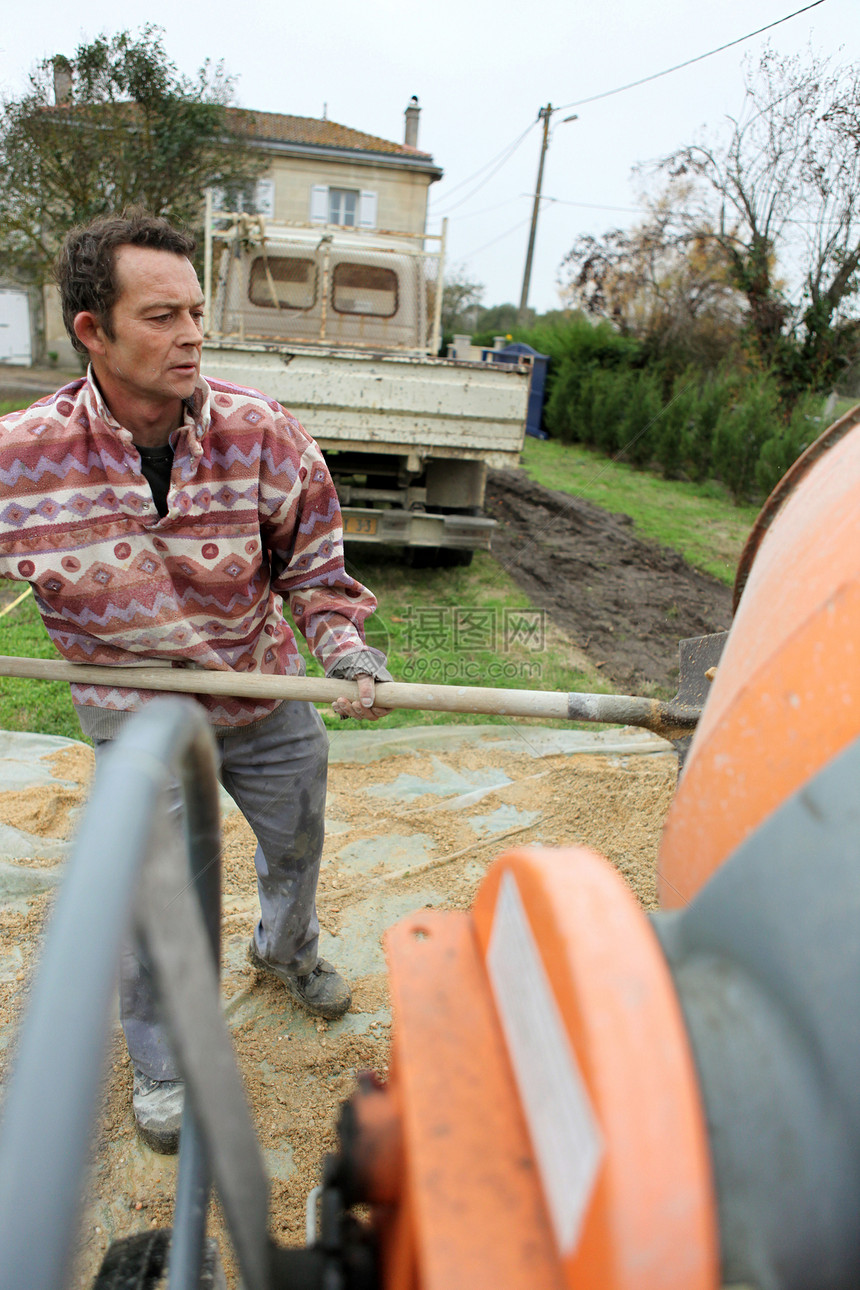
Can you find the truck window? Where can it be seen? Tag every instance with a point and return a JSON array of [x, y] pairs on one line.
[[294, 281], [364, 289]]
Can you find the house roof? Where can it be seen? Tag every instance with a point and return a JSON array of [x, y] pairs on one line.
[[275, 127]]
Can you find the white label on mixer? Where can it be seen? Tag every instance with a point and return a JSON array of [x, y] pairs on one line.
[[564, 1133]]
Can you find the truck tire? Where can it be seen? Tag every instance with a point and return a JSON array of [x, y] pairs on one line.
[[438, 557]]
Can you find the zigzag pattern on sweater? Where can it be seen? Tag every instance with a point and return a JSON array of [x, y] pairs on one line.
[[45, 466]]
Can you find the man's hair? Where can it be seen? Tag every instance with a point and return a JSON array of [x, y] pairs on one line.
[[85, 270]]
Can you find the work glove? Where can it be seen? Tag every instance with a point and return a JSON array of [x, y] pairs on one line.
[[363, 708], [356, 666]]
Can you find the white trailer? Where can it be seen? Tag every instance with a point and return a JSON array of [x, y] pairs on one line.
[[341, 326]]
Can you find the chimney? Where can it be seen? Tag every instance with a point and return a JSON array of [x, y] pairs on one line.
[[412, 113], [62, 80]]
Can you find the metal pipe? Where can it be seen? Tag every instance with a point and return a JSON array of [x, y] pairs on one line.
[[201, 816], [55, 1090], [436, 337], [189, 1214]]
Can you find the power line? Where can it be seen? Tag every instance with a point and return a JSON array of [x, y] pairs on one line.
[[592, 206], [493, 241], [505, 156], [486, 210], [508, 151], [689, 62]]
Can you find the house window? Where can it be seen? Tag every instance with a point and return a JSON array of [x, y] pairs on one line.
[[294, 281], [364, 289], [342, 206]]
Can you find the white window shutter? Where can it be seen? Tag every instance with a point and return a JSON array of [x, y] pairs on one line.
[[319, 204], [367, 210], [264, 198]]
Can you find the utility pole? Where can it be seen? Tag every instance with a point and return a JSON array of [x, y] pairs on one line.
[[545, 113]]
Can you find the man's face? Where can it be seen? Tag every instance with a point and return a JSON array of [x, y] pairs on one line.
[[157, 325]]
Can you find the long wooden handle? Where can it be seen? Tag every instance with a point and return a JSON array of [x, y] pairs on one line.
[[667, 719]]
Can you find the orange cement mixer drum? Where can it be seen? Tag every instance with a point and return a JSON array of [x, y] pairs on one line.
[[786, 695]]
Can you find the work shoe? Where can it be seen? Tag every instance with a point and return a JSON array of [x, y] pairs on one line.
[[157, 1108], [322, 991]]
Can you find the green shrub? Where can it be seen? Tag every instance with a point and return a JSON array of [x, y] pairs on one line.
[[574, 347], [743, 426], [612, 393], [643, 418], [710, 397], [729, 424], [677, 417], [567, 406], [787, 443]]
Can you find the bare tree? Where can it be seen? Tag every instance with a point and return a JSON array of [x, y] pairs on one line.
[[758, 227], [780, 194], [660, 281]]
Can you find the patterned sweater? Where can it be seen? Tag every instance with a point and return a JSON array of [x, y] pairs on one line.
[[253, 521]]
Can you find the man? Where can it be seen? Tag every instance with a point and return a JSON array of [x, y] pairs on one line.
[[162, 516]]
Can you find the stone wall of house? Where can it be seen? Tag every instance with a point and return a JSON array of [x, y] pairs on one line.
[[401, 194]]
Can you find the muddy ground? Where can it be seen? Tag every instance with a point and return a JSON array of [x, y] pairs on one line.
[[624, 602]]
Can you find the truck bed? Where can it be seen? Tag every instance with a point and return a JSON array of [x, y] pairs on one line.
[[390, 402]]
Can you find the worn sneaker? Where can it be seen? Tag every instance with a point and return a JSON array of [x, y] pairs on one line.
[[157, 1108], [322, 991]]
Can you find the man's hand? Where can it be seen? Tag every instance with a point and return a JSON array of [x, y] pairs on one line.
[[362, 708]]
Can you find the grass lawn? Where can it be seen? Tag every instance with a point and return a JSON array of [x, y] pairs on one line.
[[41, 706], [698, 520]]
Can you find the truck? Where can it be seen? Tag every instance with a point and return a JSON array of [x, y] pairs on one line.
[[342, 326]]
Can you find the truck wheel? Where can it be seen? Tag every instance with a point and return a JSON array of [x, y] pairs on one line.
[[454, 558], [438, 557]]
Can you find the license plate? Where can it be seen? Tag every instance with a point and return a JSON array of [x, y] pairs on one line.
[[360, 524]]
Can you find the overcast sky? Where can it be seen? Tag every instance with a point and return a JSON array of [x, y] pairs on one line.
[[481, 72]]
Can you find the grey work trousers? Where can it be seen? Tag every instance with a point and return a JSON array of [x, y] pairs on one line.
[[275, 771]]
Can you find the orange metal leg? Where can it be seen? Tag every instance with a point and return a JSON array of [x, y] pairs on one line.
[[475, 1211]]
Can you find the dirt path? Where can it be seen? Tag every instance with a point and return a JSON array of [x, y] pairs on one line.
[[625, 602]]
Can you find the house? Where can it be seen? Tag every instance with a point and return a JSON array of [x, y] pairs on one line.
[[320, 172]]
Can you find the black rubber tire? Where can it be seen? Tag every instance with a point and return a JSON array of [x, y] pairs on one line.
[[438, 557]]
